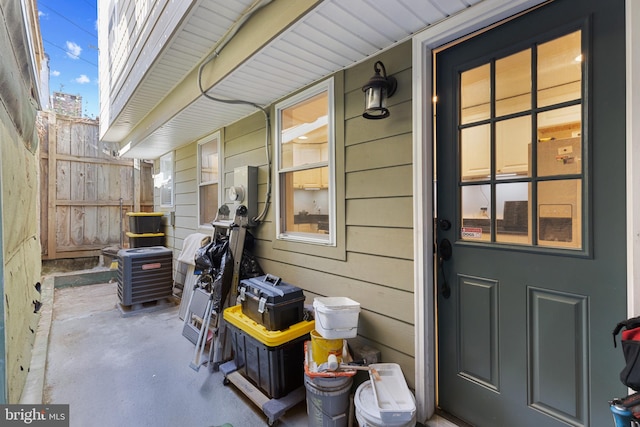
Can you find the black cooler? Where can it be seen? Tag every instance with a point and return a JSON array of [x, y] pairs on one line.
[[271, 302]]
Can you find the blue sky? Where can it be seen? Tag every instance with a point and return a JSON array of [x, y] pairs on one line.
[[70, 38]]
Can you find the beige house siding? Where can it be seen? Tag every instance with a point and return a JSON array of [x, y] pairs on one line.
[[185, 209], [378, 270], [186, 194], [375, 168], [244, 144]]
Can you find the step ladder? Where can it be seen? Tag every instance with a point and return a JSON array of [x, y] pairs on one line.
[[197, 324], [199, 309], [221, 349], [200, 318]]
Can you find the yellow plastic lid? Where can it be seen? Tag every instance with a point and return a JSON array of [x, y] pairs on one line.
[[145, 213], [234, 316], [130, 234]]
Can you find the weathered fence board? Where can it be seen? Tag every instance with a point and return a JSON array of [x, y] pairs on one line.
[[63, 180], [86, 189]]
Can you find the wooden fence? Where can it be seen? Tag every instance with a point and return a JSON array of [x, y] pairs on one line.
[[86, 190]]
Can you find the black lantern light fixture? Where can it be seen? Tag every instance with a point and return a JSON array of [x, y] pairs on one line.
[[376, 91]]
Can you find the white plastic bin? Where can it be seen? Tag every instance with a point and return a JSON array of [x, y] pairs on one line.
[[336, 317], [393, 398]]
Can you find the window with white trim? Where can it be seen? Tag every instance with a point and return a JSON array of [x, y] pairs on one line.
[[163, 180], [305, 156], [208, 179]]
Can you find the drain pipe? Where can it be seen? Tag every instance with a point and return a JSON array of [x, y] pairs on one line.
[[121, 235]]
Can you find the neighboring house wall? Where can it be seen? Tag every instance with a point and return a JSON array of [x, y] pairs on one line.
[[148, 60], [20, 201], [374, 175], [22, 264], [134, 35]]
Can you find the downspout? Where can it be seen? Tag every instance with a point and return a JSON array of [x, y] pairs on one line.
[[121, 226]]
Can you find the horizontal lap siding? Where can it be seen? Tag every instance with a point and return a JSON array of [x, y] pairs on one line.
[[378, 176], [244, 145], [379, 207], [375, 165], [390, 212], [185, 199]]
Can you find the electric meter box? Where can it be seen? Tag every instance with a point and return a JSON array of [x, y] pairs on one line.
[[244, 190]]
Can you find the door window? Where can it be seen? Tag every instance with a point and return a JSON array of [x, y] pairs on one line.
[[521, 147]]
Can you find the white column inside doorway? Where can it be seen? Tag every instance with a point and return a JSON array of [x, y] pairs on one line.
[[482, 15], [632, 24]]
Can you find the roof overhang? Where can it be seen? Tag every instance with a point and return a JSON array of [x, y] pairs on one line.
[[290, 45]]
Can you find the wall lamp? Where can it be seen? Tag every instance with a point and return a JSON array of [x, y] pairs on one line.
[[376, 91]]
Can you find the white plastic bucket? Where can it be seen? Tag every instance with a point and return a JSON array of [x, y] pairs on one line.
[[328, 401], [336, 317], [367, 412]]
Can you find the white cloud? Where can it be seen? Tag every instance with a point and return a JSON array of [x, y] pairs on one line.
[[73, 50], [41, 14], [82, 79], [55, 73]]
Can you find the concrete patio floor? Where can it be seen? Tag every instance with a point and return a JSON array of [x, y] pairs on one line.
[[133, 370]]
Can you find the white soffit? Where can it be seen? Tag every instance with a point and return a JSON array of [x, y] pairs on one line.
[[335, 35], [152, 77]]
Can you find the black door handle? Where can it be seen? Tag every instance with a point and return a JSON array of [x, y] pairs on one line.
[[445, 251]]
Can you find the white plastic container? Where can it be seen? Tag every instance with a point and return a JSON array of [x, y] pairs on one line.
[[367, 412], [392, 395], [336, 317]]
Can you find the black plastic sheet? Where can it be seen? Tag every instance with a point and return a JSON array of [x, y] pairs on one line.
[[215, 261], [201, 259]]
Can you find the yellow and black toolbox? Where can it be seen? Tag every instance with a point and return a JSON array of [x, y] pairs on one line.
[[268, 300], [272, 360]]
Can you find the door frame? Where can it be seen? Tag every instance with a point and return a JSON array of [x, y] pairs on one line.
[[473, 19], [632, 58]]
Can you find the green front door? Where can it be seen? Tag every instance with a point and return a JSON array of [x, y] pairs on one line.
[[531, 218]]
